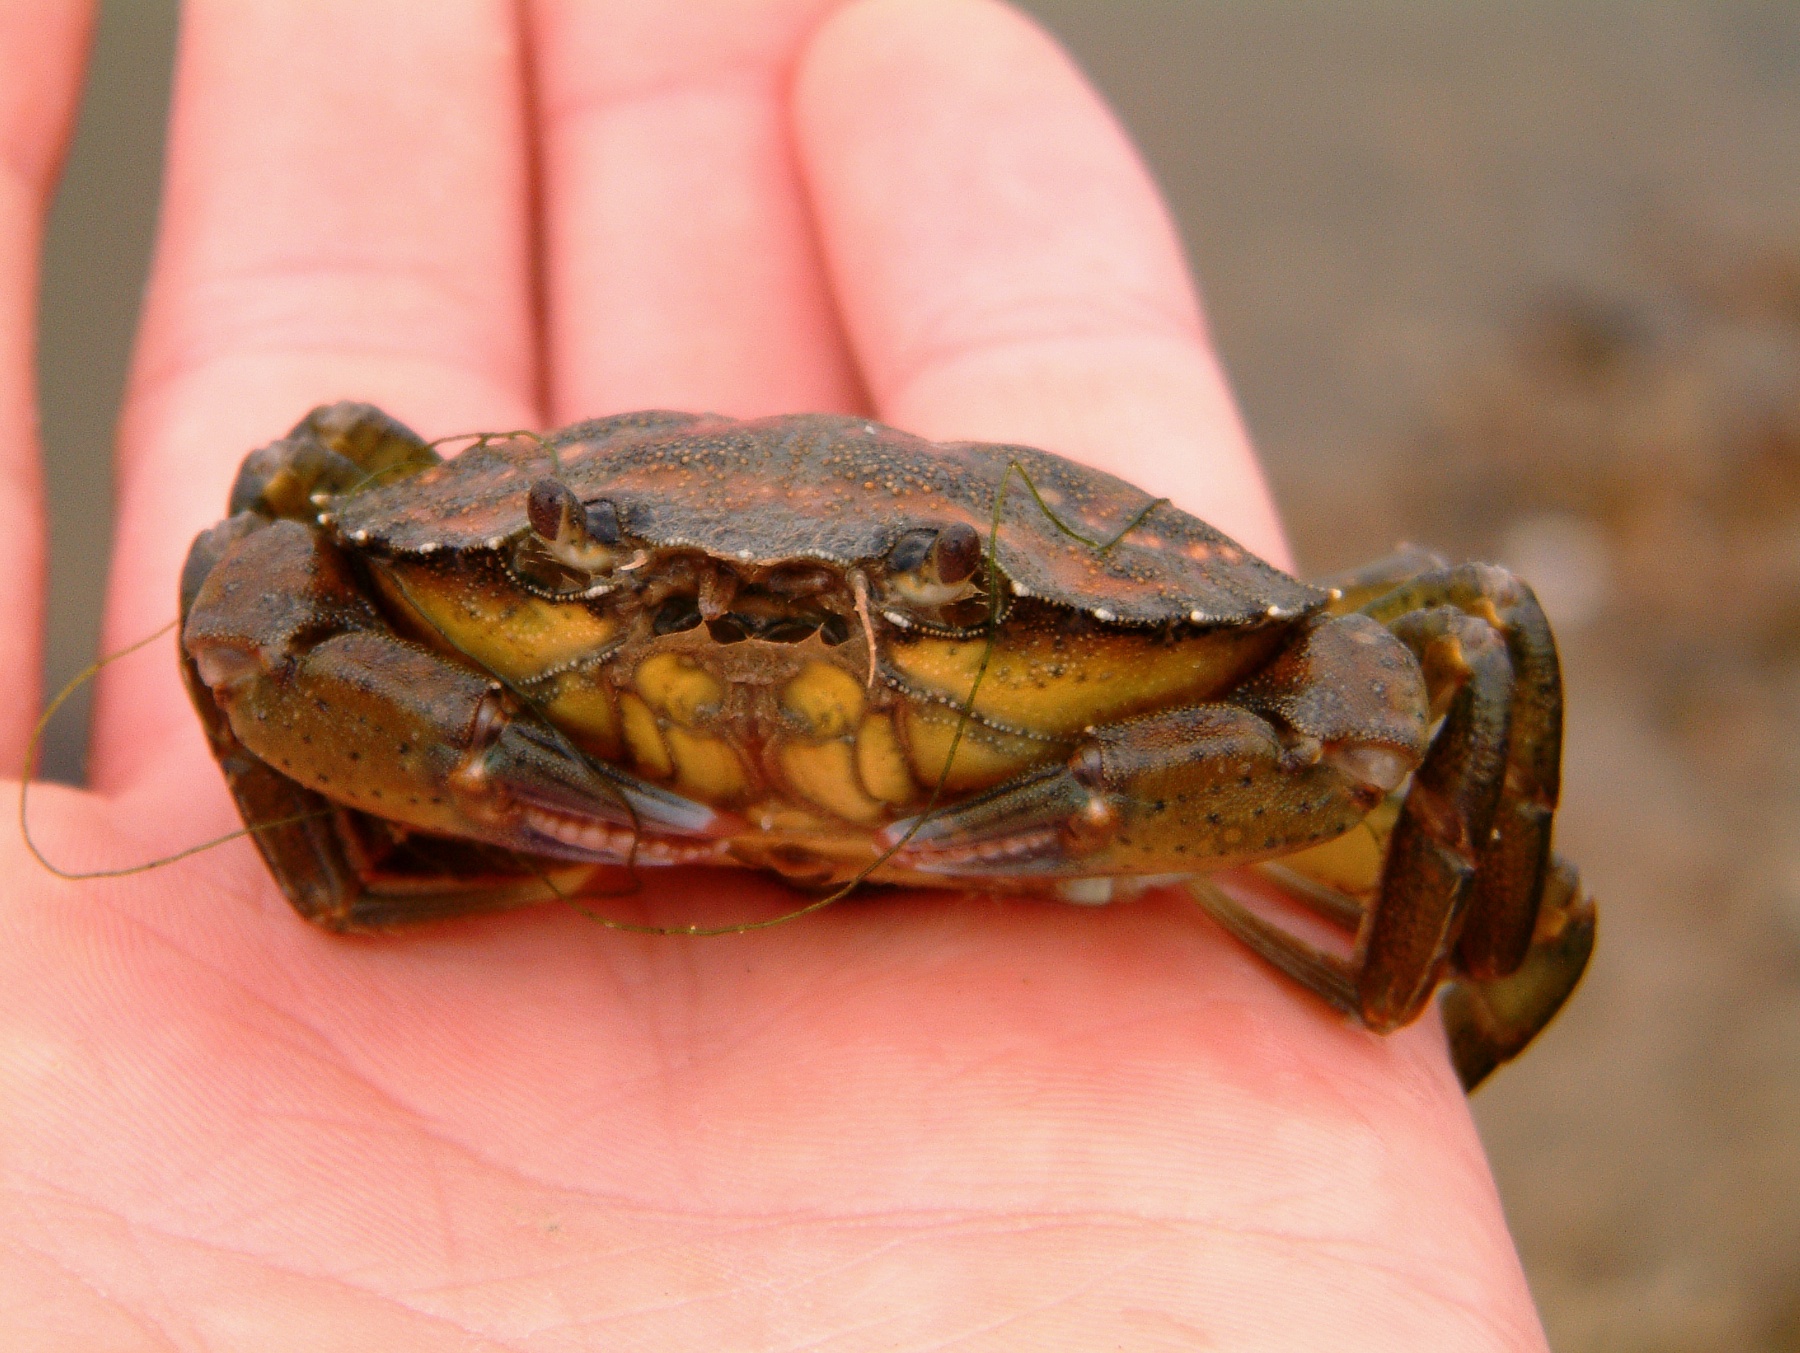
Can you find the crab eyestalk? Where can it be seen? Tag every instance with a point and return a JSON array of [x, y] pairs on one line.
[[934, 566], [584, 536]]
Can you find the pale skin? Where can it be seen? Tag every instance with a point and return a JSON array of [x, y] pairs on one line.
[[905, 1123]]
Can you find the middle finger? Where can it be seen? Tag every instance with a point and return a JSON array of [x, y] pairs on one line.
[[681, 265]]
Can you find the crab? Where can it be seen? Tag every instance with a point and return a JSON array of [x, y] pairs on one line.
[[823, 647]]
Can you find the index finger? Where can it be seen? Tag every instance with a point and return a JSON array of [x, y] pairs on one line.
[[345, 216]]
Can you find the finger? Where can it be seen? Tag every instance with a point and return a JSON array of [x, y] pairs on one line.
[[682, 269], [1006, 270], [41, 51], [1005, 267], [345, 215]]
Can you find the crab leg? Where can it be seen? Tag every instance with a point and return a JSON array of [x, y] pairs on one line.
[[1406, 936], [1353, 588], [337, 867], [1512, 862], [1511, 873], [1202, 787], [1525, 928], [1322, 900], [1465, 860], [337, 448], [1433, 854], [1529, 929], [1491, 1021]]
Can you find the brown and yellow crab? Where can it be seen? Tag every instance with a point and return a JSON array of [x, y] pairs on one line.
[[820, 646]]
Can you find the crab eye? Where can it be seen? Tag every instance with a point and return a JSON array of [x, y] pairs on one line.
[[551, 505], [948, 554], [957, 552], [933, 566], [910, 550], [603, 522], [581, 537]]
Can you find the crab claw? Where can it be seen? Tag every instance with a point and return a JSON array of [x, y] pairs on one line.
[[1008, 829], [524, 774]]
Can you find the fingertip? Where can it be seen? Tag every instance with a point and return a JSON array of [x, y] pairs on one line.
[[987, 154]]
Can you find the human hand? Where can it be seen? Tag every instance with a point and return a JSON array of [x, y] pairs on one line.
[[907, 1121]]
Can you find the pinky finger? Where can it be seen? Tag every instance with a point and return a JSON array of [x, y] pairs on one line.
[[42, 47]]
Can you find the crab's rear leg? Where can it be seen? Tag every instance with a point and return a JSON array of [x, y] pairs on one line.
[[1445, 822], [1528, 929], [1513, 857], [1467, 888], [336, 449], [1430, 864], [1491, 1021]]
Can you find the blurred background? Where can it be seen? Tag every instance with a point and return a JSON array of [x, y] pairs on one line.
[[1517, 280]]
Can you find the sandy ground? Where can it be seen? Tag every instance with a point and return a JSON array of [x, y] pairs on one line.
[[1518, 281]]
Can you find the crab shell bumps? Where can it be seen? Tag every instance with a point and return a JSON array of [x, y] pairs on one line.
[[820, 646]]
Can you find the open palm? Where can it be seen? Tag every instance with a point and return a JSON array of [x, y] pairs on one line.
[[938, 1121]]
